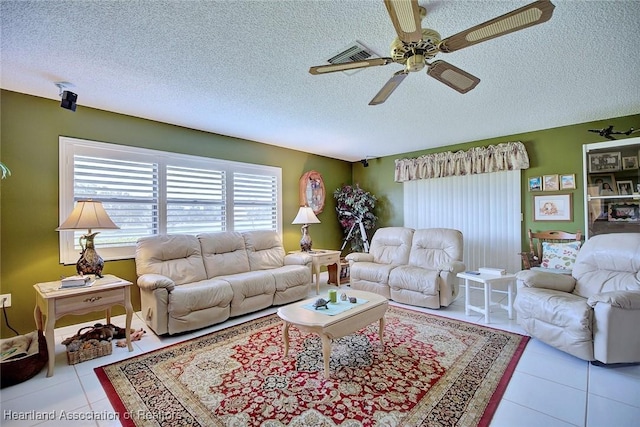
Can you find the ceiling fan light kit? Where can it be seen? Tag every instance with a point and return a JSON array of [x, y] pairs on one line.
[[415, 46]]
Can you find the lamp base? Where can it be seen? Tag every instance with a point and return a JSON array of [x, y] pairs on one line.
[[90, 262], [305, 241]]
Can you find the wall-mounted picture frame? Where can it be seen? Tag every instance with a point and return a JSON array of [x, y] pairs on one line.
[[630, 162], [624, 212], [568, 182], [556, 207], [550, 183], [625, 188], [535, 183], [605, 182], [604, 162], [312, 191]]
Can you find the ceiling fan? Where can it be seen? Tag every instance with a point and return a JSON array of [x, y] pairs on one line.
[[415, 45]]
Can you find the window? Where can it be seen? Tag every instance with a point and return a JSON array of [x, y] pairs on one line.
[[147, 192]]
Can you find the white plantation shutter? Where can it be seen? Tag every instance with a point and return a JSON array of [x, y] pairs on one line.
[[254, 202], [147, 192]]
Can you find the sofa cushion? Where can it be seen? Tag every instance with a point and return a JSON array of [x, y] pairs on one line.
[[371, 272], [391, 245], [415, 279], [224, 253], [264, 249], [608, 262], [176, 256], [560, 319], [432, 247], [290, 276], [198, 296]]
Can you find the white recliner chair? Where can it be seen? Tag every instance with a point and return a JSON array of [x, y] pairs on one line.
[[594, 313]]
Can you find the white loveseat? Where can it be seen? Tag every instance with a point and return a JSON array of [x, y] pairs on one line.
[[594, 313], [416, 267], [188, 282]]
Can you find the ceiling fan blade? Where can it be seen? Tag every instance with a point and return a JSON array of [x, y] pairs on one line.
[[389, 87], [331, 68], [527, 16], [453, 76], [405, 15]]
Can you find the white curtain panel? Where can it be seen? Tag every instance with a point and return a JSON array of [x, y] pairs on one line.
[[485, 207]]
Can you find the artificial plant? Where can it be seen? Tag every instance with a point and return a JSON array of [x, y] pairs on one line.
[[354, 204]]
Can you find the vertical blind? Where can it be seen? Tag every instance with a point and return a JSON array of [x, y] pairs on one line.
[[484, 207]]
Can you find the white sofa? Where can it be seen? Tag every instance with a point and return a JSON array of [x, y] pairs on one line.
[[594, 313], [416, 267], [188, 282]]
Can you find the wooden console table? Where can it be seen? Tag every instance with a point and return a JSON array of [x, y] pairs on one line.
[[53, 303]]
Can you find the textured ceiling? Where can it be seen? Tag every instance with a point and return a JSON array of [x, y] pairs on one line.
[[240, 68]]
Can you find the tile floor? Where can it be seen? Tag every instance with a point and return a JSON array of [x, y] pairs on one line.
[[549, 388]]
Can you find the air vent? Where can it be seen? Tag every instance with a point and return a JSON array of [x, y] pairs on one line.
[[354, 52]]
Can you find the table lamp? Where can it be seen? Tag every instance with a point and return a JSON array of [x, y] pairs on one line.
[[305, 216], [89, 214]]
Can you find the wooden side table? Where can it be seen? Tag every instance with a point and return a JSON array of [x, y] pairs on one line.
[[322, 257], [53, 303]]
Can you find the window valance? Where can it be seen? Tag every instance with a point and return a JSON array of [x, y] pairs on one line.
[[493, 158]]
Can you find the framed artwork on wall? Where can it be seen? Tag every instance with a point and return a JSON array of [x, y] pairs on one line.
[[568, 182], [557, 207], [550, 183], [312, 192], [604, 162], [535, 183]]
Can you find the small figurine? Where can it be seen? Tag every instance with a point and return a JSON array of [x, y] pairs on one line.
[[343, 297], [353, 300], [320, 302]]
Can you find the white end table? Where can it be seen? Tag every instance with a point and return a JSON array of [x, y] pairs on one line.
[[487, 281]]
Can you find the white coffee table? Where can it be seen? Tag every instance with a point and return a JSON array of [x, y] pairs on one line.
[[487, 281], [337, 326]]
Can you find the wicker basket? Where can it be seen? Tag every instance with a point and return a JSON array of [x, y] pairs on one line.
[[81, 351]]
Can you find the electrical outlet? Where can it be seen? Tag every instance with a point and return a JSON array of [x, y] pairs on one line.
[[7, 300]]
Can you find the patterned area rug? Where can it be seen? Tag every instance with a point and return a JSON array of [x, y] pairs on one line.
[[432, 371]]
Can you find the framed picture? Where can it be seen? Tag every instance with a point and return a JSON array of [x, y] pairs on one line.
[[550, 183], [625, 187], [568, 182], [624, 212], [630, 162], [604, 162], [535, 183], [557, 207], [605, 182], [312, 192]]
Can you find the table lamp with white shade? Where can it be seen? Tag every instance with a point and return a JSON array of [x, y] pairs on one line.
[[88, 214], [305, 216]]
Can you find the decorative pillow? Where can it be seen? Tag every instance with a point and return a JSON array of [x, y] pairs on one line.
[[559, 256]]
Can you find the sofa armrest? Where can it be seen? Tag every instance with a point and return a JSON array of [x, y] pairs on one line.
[[629, 300], [151, 282], [359, 257], [452, 267], [298, 259], [546, 280]]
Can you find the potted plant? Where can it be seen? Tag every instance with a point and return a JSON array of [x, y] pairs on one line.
[[355, 205]]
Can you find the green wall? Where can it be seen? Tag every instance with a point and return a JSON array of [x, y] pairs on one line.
[[551, 151], [30, 127]]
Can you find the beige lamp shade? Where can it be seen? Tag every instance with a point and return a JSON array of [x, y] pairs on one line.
[[88, 214], [306, 216]]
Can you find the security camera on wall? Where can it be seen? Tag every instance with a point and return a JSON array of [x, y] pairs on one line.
[[69, 100]]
